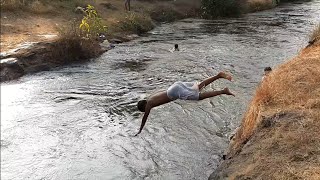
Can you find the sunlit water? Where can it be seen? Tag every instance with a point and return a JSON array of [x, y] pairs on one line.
[[77, 122]]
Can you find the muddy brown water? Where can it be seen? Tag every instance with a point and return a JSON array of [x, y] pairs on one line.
[[77, 122]]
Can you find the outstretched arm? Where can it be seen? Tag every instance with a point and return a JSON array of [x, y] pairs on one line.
[[144, 119]]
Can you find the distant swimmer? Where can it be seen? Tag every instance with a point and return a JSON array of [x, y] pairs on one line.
[[267, 71], [176, 47], [181, 90]]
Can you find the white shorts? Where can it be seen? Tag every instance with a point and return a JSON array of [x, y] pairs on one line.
[[183, 90]]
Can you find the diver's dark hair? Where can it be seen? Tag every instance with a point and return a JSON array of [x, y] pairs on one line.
[[176, 46], [142, 105], [267, 69]]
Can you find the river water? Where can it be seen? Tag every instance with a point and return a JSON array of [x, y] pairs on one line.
[[78, 122]]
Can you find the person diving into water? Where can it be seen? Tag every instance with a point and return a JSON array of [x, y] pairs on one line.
[[181, 90]]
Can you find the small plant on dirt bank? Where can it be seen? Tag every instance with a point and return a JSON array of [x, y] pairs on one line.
[[258, 5], [91, 24], [165, 13], [79, 42], [135, 22], [220, 8], [73, 47]]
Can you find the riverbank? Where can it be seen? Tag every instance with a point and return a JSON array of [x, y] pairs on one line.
[[39, 27], [23, 26], [40, 20], [279, 134]]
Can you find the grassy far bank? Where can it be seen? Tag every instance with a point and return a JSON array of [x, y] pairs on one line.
[[57, 24], [279, 136], [27, 20]]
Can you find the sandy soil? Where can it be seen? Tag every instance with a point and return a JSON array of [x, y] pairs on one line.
[[17, 28], [21, 25]]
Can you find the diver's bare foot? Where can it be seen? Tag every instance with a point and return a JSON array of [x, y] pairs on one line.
[[225, 76], [227, 92]]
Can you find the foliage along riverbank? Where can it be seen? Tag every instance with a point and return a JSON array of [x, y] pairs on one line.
[[279, 134], [32, 20], [27, 21]]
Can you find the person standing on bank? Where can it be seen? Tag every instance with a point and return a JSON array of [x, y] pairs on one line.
[[181, 90], [127, 5], [267, 71]]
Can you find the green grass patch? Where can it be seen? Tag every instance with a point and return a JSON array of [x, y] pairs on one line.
[[260, 5], [72, 46], [165, 13], [135, 22], [220, 8]]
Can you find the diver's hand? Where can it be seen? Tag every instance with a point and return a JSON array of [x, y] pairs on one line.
[[137, 133]]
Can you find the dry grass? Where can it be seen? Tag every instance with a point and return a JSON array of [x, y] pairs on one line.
[[34, 6], [24, 21], [292, 86], [315, 35], [137, 23], [11, 4], [279, 136], [71, 46], [165, 13], [288, 149], [44, 15], [259, 5], [41, 6], [168, 12]]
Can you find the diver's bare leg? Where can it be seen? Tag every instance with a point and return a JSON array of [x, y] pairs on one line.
[[210, 94], [211, 79]]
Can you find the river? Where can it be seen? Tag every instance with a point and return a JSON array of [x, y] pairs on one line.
[[78, 122]]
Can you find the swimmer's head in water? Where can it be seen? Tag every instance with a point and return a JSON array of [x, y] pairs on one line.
[[142, 105], [267, 70], [176, 47]]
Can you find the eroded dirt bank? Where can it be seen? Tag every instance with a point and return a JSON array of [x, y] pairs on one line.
[[279, 136], [36, 21]]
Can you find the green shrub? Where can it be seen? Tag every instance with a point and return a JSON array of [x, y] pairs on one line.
[[72, 46], [79, 42], [91, 24], [165, 13], [136, 23], [260, 5], [220, 8]]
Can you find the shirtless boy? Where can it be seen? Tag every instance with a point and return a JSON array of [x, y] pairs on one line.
[[181, 90]]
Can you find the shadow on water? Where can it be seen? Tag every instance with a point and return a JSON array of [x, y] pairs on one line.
[[131, 65]]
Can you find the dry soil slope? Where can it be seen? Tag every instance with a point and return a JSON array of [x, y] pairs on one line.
[[279, 137]]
